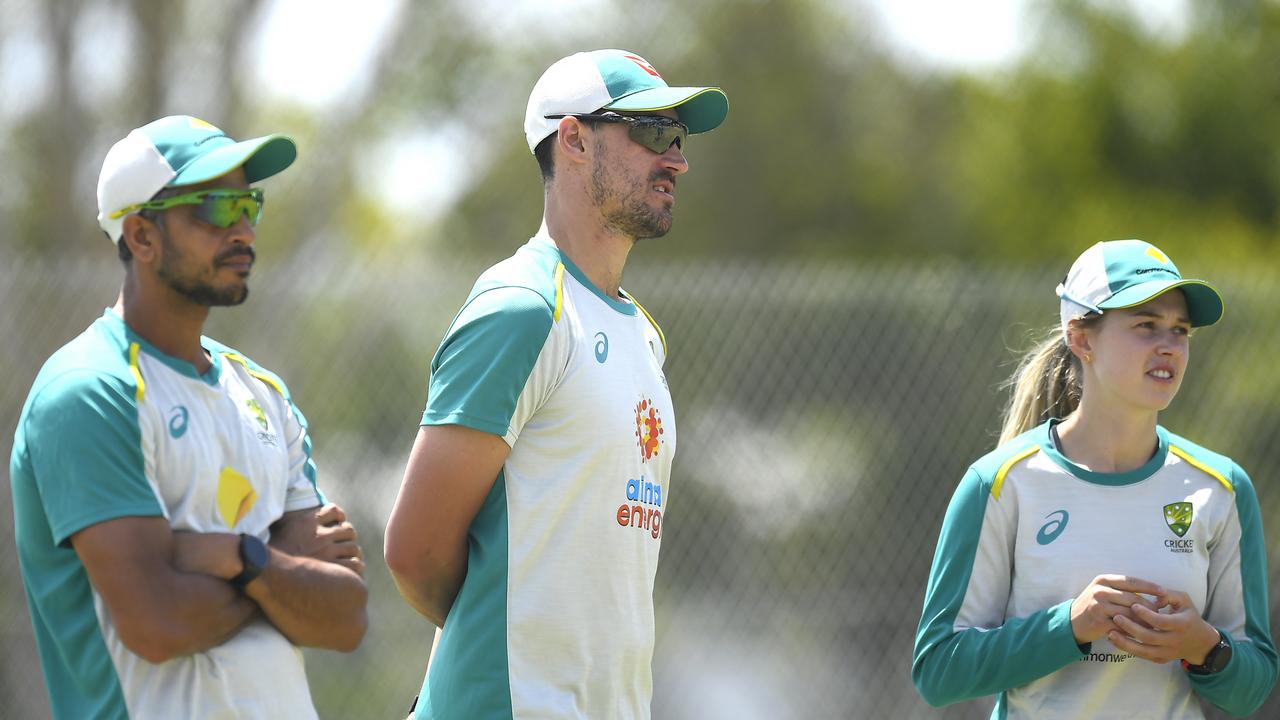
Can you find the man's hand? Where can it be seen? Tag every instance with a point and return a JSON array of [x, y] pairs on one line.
[[321, 533], [1094, 610], [1160, 637]]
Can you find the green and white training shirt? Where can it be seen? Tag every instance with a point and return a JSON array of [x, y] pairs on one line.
[[555, 616], [112, 428], [1027, 530]]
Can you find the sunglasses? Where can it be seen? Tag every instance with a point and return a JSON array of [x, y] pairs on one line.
[[220, 208], [655, 132]]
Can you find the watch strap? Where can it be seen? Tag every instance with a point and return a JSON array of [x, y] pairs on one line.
[[1214, 660], [253, 560]]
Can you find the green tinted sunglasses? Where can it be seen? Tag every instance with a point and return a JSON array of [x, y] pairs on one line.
[[655, 132], [220, 208]]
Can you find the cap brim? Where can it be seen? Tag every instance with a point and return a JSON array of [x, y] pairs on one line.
[[700, 108], [261, 158], [1204, 303]]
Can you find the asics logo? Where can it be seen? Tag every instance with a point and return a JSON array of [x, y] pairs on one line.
[[178, 421], [1052, 529], [602, 347]]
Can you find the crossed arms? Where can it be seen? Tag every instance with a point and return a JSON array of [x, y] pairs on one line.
[[168, 595]]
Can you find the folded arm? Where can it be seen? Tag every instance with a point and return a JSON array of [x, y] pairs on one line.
[[160, 610], [311, 589]]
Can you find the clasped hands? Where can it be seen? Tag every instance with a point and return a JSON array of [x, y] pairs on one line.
[[322, 533], [1143, 619]]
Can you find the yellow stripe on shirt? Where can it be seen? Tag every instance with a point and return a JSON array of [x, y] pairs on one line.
[[137, 373], [1202, 467], [654, 323], [1007, 466], [555, 316], [261, 376]]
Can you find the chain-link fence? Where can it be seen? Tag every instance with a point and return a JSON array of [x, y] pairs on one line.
[[826, 411]]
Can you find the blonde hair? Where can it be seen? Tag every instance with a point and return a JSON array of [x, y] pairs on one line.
[[1047, 383]]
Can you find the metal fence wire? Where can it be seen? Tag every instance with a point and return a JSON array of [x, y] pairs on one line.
[[826, 411]]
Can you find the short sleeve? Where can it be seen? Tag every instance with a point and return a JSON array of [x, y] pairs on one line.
[[486, 362], [303, 492], [85, 449]]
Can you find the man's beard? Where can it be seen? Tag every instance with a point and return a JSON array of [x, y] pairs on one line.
[[633, 216], [195, 289]]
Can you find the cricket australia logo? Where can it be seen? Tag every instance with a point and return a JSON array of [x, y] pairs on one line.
[[1178, 516], [257, 411]]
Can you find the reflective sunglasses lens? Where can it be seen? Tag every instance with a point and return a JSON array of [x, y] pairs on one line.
[[222, 210], [658, 137]]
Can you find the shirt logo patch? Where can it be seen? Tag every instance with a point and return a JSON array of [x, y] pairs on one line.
[[643, 508], [1052, 529], [258, 413], [648, 429], [1178, 517], [602, 347], [235, 496], [178, 421]]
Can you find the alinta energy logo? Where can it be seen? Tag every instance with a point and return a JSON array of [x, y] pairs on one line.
[[1179, 516], [648, 429], [643, 508]]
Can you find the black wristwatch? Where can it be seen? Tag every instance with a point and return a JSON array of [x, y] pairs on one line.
[[1214, 661], [254, 557]]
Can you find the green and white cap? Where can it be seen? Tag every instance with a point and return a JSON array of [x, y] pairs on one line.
[[588, 82], [179, 150], [1124, 273]]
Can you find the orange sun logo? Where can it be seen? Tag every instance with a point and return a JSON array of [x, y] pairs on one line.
[[648, 429]]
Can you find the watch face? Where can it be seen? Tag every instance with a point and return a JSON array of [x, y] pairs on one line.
[[1218, 658], [253, 552]]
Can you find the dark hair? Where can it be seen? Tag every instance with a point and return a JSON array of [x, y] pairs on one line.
[[156, 216], [544, 152]]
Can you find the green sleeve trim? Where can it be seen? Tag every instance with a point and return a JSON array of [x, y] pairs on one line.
[[951, 666], [486, 359], [84, 442], [1246, 682]]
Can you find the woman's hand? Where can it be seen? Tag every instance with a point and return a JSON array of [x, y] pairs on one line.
[[1179, 634], [1095, 609]]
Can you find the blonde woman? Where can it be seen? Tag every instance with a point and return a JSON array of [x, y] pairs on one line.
[[1096, 565]]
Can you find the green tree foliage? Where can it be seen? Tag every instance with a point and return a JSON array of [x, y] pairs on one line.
[[832, 147]]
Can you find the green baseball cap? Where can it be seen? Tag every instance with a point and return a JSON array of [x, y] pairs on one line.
[[179, 150], [1124, 273]]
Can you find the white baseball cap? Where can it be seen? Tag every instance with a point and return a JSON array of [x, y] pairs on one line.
[[179, 150], [587, 82]]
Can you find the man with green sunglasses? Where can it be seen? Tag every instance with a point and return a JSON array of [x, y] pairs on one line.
[[531, 513], [175, 547], [220, 208]]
